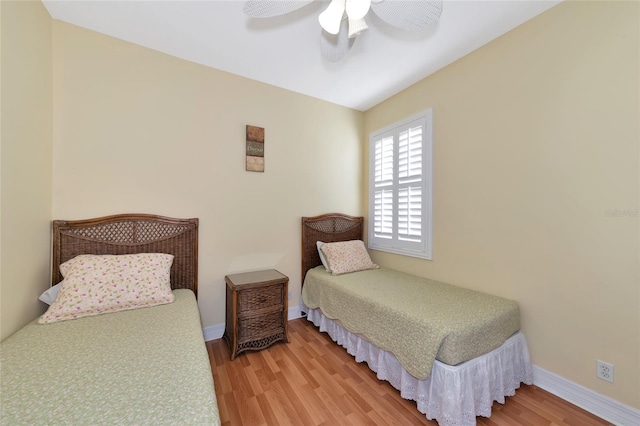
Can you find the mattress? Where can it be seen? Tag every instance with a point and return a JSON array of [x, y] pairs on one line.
[[416, 319], [142, 366]]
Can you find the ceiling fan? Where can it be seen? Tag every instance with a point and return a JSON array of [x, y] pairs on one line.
[[343, 20]]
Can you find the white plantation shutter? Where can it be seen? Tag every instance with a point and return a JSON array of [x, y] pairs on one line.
[[410, 189], [384, 160], [383, 223], [410, 147], [383, 193], [410, 214], [400, 187]]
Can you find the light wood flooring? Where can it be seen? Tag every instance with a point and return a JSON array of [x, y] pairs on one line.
[[313, 381]]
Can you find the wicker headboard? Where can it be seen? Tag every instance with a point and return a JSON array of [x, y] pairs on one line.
[[327, 228], [129, 234]]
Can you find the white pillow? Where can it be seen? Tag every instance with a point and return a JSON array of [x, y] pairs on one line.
[[100, 284], [323, 259], [50, 294], [347, 256]]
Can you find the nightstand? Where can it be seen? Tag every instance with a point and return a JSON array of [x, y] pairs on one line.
[[256, 307]]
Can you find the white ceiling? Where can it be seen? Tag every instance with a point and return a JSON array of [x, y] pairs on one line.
[[285, 51]]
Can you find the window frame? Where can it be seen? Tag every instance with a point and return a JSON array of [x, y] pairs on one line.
[[423, 249]]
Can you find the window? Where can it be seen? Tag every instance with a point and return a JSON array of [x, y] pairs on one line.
[[400, 174]]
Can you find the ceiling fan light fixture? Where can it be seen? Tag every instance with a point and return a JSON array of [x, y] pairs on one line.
[[357, 26], [357, 9], [331, 18], [343, 20]]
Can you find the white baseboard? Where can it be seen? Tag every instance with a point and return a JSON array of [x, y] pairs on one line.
[[294, 313], [213, 332], [602, 406], [216, 331]]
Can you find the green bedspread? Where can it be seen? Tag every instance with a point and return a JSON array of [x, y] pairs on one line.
[[416, 319], [143, 366]]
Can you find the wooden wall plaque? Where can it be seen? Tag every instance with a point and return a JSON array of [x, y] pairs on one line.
[[255, 149]]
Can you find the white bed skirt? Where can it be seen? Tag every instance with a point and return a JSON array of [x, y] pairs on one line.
[[452, 395]]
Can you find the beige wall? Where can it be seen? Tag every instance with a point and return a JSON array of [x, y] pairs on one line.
[[139, 131], [25, 196], [536, 143]]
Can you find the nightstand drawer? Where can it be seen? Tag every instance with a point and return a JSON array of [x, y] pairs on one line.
[[260, 326], [263, 297]]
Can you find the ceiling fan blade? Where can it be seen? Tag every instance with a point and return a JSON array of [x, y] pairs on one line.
[[336, 47], [408, 14], [270, 8]]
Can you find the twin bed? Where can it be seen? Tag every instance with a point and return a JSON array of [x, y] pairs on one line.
[[143, 363], [452, 350]]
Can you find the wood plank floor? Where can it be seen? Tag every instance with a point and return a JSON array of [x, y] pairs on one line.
[[313, 381]]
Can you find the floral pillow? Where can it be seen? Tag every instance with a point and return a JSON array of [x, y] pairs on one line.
[[99, 284], [347, 256]]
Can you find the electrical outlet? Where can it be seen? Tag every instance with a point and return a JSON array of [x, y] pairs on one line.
[[290, 294], [604, 371]]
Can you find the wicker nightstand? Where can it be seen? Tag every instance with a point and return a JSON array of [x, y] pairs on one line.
[[256, 310]]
